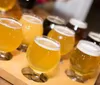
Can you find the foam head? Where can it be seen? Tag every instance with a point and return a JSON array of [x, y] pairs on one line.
[[80, 24], [47, 43], [56, 19], [95, 36], [32, 19], [11, 23], [64, 30], [88, 48]]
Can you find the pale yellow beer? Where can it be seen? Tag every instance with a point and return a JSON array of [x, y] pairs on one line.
[[65, 36], [43, 54], [6, 4], [32, 27], [85, 59], [10, 34]]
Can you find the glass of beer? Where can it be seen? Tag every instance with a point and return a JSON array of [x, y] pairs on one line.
[[65, 36], [32, 27], [43, 55], [94, 37], [6, 5], [27, 4], [50, 21], [84, 60], [79, 27], [10, 36]]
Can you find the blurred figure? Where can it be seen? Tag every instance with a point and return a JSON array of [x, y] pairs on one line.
[[72, 8]]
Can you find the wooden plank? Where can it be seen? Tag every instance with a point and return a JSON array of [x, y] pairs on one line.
[[4, 82], [98, 80], [11, 71]]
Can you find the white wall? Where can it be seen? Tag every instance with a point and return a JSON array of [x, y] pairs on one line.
[[76, 8]]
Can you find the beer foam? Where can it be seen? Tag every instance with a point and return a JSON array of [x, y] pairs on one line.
[[94, 36], [78, 23], [89, 48], [32, 19], [11, 23], [64, 30], [56, 19], [47, 43]]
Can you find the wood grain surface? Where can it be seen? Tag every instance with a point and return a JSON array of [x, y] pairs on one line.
[[4, 82], [11, 71]]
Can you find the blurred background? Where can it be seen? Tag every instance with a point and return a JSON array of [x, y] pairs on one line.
[[84, 10], [93, 17]]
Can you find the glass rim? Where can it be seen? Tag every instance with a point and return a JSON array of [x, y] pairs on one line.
[[33, 17], [88, 48], [50, 40], [10, 19], [95, 36], [58, 18], [65, 28], [79, 23]]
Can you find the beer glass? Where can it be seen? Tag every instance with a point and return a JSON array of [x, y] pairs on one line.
[[27, 4], [94, 37], [65, 36], [50, 21], [43, 55], [79, 27], [32, 27], [84, 61], [10, 36], [6, 5]]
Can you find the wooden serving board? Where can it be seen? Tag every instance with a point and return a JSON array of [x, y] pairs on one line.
[[11, 72]]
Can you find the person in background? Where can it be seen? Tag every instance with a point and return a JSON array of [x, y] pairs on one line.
[[48, 5]]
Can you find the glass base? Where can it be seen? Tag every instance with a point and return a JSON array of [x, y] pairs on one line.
[[31, 75], [5, 56], [22, 48], [71, 74]]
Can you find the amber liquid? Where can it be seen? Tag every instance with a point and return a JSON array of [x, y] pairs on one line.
[[10, 35], [83, 64], [41, 58], [66, 42], [6, 4], [31, 28]]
